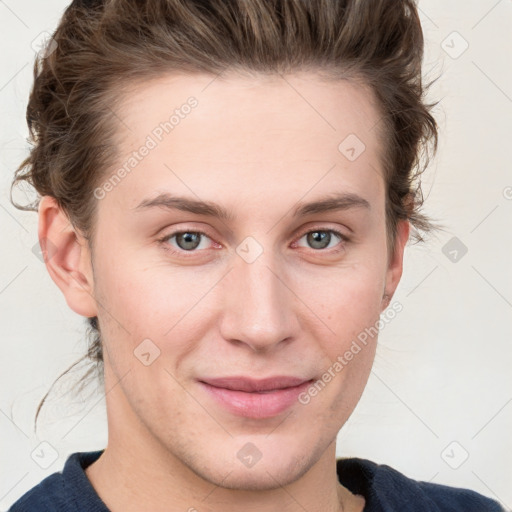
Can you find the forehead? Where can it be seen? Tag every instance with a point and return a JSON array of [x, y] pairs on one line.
[[211, 135]]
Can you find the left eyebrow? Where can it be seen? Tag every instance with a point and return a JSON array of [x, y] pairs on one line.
[[333, 202]]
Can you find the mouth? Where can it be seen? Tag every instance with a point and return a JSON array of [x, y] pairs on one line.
[[252, 398]]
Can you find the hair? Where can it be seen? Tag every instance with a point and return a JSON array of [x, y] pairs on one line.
[[102, 48]]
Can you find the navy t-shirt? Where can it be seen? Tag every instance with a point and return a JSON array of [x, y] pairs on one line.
[[384, 489]]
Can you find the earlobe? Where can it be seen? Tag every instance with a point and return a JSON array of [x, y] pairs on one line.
[[386, 299], [395, 265], [67, 257]]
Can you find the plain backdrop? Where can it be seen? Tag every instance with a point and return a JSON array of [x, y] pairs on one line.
[[438, 405]]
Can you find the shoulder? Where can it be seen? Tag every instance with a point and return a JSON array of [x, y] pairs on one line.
[[386, 489], [42, 497], [68, 490]]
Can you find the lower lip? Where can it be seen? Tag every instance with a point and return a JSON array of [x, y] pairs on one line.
[[256, 405]]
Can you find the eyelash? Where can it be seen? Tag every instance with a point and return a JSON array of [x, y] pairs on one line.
[[181, 252]]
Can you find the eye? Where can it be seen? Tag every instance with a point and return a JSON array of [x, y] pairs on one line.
[[189, 241], [322, 239], [185, 241]]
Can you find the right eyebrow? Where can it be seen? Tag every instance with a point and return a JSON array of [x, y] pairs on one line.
[[186, 204]]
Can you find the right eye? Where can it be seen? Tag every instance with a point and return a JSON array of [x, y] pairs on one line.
[[184, 241]]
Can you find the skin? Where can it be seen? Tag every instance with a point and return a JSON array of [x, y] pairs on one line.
[[256, 147]]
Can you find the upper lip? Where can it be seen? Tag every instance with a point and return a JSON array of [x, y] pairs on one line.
[[252, 385]]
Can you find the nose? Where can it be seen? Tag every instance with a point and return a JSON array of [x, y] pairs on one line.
[[259, 305]]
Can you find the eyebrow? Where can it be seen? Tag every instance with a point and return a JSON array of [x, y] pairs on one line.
[[333, 202]]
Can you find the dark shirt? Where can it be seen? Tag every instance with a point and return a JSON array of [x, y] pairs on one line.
[[384, 489]]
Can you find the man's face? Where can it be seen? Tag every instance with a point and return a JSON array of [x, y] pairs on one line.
[[263, 293]]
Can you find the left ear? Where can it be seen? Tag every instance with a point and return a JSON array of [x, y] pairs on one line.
[[395, 265]]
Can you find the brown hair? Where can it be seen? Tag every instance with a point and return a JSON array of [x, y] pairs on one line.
[[100, 45]]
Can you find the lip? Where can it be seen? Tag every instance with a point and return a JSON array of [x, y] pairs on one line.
[[255, 398]]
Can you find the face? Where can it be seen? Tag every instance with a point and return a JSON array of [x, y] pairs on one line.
[[275, 277]]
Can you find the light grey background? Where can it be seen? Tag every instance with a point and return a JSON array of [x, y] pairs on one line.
[[441, 388]]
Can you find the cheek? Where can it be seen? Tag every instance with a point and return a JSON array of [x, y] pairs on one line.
[[351, 312], [160, 302], [347, 299], [141, 302]]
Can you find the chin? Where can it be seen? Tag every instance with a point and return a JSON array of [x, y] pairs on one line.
[[262, 477], [271, 471]]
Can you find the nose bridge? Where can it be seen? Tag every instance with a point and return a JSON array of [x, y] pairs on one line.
[[259, 309]]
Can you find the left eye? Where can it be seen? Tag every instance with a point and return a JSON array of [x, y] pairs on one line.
[[322, 238]]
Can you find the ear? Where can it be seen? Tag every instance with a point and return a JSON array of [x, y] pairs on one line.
[[67, 257], [395, 264]]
